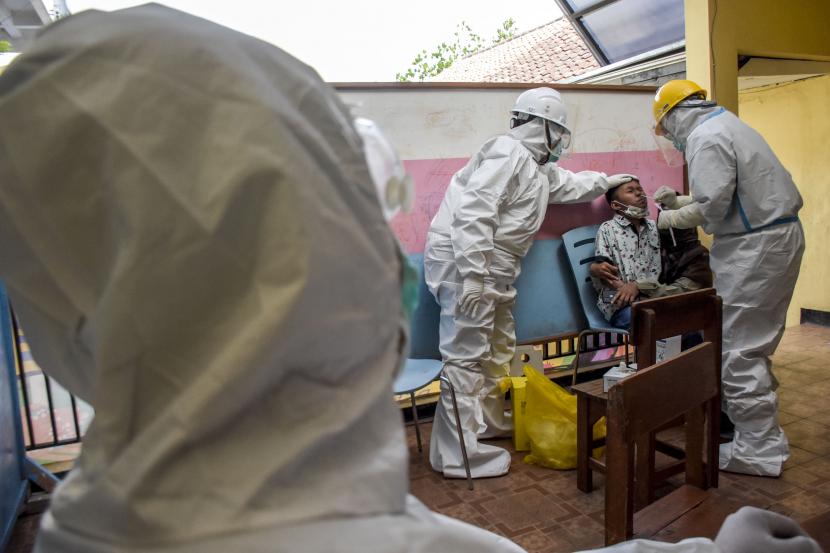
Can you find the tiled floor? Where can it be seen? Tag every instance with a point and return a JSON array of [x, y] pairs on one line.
[[542, 510]]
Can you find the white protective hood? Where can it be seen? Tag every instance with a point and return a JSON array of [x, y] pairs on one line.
[[532, 137], [192, 242], [686, 116]]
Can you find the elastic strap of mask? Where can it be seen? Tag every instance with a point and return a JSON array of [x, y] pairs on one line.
[[520, 119], [696, 103]]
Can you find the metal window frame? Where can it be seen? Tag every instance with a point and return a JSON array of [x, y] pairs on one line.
[[575, 17]]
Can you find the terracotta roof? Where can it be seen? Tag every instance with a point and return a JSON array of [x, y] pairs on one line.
[[550, 53]]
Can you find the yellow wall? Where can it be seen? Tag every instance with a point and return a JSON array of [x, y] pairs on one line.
[[767, 28], [795, 120]]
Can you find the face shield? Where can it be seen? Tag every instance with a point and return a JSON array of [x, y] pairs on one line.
[[395, 191], [393, 185], [557, 140], [672, 130], [672, 155]]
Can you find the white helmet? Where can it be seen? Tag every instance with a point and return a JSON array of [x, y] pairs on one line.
[[543, 102]]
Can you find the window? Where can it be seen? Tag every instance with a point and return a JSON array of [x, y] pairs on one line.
[[619, 29]]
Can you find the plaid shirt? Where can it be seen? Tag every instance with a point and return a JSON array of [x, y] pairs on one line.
[[637, 256]]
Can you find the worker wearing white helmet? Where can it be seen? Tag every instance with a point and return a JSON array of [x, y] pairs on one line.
[[492, 209]]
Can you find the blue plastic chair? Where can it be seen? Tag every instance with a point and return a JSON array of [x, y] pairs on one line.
[[424, 364], [547, 304], [14, 485], [580, 247]]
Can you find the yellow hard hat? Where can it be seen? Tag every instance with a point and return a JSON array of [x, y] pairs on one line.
[[671, 94]]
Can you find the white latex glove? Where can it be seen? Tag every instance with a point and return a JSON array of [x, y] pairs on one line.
[[666, 197], [669, 199], [688, 216], [683, 201], [471, 292], [752, 530], [616, 180]]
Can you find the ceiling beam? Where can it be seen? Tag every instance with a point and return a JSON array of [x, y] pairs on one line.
[[7, 23]]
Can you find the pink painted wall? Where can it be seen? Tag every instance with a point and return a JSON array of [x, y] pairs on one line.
[[432, 176]]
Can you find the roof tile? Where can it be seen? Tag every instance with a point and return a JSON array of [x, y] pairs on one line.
[[550, 53]]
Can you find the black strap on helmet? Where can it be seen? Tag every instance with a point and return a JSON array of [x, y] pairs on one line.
[[520, 119]]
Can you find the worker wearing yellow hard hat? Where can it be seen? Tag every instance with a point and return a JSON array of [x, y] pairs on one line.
[[671, 94], [743, 195]]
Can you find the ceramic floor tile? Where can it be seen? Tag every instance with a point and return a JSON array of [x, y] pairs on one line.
[[799, 456], [807, 427], [785, 418], [802, 406], [821, 418], [528, 508], [536, 540], [805, 505], [801, 476], [794, 379], [543, 511], [820, 446]]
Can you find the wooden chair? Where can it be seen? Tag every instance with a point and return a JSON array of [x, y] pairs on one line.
[[639, 405], [651, 320], [656, 319]]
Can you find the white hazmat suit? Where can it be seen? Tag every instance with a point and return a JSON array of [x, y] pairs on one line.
[[748, 201], [191, 239], [490, 214]]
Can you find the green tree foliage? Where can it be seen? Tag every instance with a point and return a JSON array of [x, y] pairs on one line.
[[5, 46], [466, 42]]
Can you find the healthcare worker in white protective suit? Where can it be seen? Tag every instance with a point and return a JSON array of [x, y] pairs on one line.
[[191, 238], [492, 209], [742, 195]]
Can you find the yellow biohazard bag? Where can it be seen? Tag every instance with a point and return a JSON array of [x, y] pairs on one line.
[[550, 421]]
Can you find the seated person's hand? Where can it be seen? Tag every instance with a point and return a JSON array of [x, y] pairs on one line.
[[605, 271], [626, 294]]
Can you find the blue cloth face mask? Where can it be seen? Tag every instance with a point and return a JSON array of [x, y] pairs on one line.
[[556, 153]]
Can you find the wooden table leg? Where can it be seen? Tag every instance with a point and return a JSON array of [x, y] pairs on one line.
[[584, 437], [644, 476], [713, 442]]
